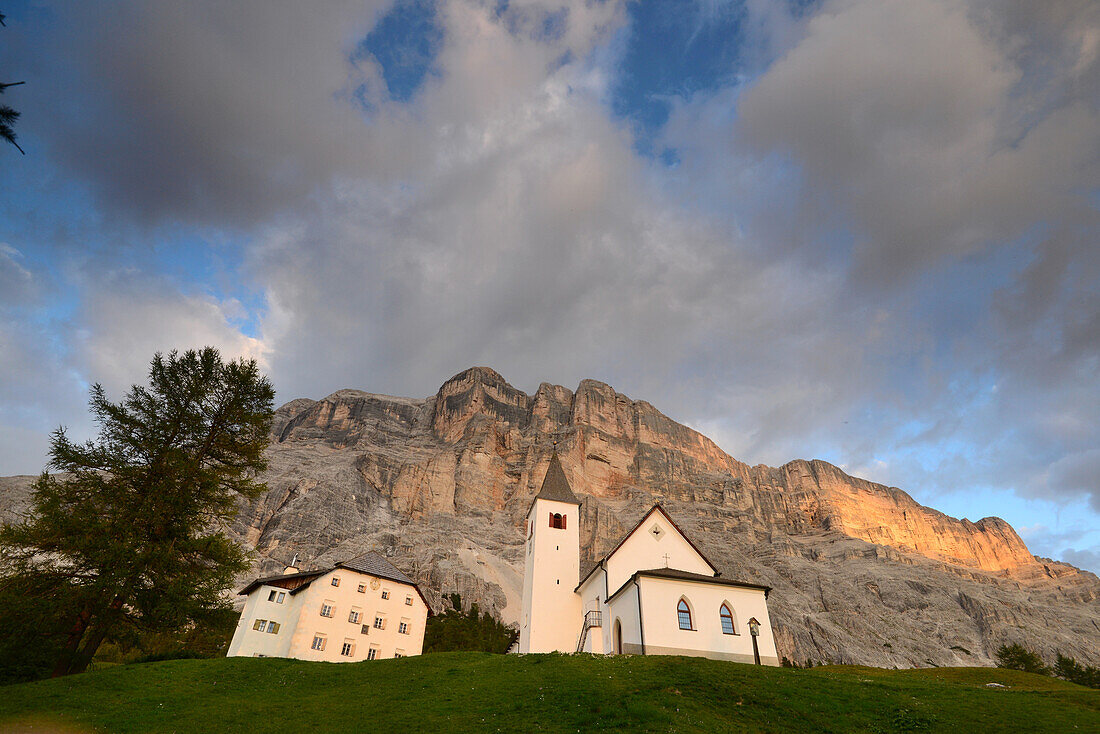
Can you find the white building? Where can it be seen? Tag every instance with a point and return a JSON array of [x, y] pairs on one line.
[[362, 609], [655, 593]]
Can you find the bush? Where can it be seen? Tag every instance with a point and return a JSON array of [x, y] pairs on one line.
[[1069, 669]]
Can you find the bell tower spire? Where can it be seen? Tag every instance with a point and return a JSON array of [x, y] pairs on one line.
[[551, 608]]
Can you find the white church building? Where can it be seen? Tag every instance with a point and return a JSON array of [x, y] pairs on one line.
[[654, 593]]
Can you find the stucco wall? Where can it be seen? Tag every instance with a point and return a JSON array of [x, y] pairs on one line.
[[551, 617], [644, 551], [301, 620], [663, 635], [624, 609]]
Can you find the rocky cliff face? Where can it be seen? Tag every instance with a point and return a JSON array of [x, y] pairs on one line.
[[862, 573]]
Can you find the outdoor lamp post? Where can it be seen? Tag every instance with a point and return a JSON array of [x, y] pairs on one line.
[[754, 630]]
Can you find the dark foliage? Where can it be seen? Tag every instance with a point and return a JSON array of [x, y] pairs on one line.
[[1069, 669], [1018, 657], [128, 541], [8, 116], [472, 631]]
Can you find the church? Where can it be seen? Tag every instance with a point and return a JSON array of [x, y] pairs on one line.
[[654, 593]]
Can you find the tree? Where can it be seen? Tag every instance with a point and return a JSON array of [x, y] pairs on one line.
[[8, 116], [471, 631], [132, 534], [1018, 657]]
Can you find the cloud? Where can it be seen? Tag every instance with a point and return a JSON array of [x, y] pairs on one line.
[[877, 245]]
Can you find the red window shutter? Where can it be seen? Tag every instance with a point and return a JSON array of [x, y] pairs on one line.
[[563, 522], [551, 519]]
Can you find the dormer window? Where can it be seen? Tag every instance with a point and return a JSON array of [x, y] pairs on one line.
[[557, 520]]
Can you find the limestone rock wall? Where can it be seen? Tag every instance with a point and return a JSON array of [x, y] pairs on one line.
[[861, 572]]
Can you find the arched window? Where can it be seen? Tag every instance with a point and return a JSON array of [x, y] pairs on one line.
[[557, 520], [727, 620], [683, 612]]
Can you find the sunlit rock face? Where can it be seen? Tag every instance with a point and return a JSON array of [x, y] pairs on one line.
[[861, 572]]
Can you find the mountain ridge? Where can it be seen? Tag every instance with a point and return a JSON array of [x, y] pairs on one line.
[[861, 572]]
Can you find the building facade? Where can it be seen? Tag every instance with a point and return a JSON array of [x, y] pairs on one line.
[[362, 609], [654, 593]]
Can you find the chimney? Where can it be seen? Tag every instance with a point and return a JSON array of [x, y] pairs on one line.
[[293, 567]]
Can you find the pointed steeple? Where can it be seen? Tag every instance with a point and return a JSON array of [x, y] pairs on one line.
[[555, 486]]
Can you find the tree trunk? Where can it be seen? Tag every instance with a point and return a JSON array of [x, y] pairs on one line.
[[72, 645]]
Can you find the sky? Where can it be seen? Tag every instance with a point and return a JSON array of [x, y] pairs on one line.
[[864, 231]]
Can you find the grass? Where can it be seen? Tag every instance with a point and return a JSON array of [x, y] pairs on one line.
[[478, 692]]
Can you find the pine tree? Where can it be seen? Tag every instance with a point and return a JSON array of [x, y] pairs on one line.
[[132, 533]]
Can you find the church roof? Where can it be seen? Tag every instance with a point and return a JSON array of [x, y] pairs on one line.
[[554, 485], [656, 508], [678, 575]]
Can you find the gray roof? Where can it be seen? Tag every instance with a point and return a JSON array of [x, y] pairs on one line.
[[375, 565], [554, 485]]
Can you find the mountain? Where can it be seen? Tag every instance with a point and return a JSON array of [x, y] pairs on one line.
[[861, 572]]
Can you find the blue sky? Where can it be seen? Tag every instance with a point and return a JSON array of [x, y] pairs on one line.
[[855, 230]]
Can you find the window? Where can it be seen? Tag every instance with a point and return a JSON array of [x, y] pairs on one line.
[[273, 628], [327, 608], [380, 623], [408, 601], [399, 653], [335, 580], [271, 595], [280, 597], [403, 628], [366, 629], [318, 643], [348, 649], [557, 520], [372, 653], [683, 611], [727, 620], [362, 589], [260, 625], [385, 594], [353, 617]]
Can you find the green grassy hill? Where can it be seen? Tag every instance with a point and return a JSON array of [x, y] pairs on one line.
[[476, 692]]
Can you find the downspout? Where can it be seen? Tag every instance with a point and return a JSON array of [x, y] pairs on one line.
[[641, 625]]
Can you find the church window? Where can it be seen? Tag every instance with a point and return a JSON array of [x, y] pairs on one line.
[[683, 612], [318, 643], [727, 620], [557, 520]]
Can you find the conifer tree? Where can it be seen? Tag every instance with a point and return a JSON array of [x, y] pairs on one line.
[[131, 534]]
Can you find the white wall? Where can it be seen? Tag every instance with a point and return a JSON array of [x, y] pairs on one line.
[[642, 551], [663, 635], [302, 621], [623, 608], [551, 618]]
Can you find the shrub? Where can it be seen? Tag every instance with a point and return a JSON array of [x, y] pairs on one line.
[[1018, 657]]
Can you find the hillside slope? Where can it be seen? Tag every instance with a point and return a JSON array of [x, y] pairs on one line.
[[473, 692]]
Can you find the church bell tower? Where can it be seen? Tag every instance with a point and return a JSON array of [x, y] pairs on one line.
[[551, 618]]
